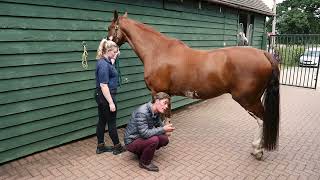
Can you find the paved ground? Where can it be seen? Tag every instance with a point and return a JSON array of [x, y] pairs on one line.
[[211, 141]]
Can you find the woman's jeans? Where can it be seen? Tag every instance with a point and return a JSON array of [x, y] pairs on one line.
[[106, 116], [145, 148]]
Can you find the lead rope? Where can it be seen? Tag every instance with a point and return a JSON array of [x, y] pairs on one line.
[[84, 56], [117, 62], [119, 73]]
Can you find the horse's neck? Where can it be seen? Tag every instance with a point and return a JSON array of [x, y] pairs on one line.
[[143, 40]]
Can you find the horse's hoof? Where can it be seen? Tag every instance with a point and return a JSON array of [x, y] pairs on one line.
[[258, 156]]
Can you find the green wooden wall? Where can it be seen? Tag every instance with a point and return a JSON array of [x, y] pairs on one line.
[[259, 32], [46, 97]]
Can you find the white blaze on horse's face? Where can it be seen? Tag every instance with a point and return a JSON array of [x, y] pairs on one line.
[[111, 32]]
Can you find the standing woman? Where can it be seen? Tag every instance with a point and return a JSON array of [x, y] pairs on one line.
[[106, 85]]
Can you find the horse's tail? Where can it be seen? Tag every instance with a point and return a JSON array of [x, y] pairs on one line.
[[271, 108]]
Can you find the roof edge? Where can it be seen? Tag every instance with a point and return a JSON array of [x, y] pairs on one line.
[[241, 7]]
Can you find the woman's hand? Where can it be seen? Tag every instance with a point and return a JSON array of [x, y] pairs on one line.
[[112, 107]]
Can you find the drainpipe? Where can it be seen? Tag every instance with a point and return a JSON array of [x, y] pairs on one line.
[[274, 9]]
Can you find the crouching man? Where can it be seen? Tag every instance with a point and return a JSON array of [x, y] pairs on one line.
[[145, 131]]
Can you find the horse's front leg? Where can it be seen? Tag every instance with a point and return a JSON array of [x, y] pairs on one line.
[[167, 117], [168, 114]]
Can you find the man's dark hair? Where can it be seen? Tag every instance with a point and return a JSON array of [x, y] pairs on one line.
[[160, 95]]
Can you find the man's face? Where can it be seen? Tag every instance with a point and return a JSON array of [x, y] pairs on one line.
[[162, 105]]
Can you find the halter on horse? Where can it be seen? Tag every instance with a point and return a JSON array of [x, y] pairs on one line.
[[173, 67]]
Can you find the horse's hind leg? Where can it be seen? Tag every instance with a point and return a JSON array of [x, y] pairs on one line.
[[256, 110]]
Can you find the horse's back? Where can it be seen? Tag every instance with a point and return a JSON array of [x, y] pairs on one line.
[[241, 54]]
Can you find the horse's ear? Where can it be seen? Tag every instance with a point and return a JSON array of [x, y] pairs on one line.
[[115, 15], [125, 14]]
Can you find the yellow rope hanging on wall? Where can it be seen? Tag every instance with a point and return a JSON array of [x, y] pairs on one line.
[[84, 56]]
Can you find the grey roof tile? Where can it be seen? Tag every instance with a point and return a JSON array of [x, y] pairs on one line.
[[250, 5]]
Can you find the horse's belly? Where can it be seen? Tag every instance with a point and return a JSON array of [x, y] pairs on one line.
[[201, 93]]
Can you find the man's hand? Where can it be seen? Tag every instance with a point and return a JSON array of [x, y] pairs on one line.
[[168, 128]]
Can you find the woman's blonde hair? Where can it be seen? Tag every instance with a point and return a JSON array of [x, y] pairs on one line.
[[105, 45]]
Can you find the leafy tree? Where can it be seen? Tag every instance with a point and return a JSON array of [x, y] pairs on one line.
[[269, 24], [298, 17]]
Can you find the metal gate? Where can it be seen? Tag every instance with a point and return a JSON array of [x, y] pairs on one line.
[[299, 56]]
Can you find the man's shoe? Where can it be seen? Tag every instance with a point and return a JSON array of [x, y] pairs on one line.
[[101, 148], [149, 167], [117, 149]]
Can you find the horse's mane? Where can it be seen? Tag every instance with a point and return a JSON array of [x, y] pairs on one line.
[[153, 31]]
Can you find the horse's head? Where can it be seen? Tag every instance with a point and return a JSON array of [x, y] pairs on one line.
[[114, 30]]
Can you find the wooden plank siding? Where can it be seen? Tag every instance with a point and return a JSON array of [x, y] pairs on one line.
[[46, 97], [259, 32]]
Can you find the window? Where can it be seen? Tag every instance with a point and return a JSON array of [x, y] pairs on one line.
[[246, 22]]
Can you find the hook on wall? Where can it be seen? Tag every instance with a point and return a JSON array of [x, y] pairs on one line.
[[84, 55]]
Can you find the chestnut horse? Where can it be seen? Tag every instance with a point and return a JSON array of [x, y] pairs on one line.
[[171, 66]]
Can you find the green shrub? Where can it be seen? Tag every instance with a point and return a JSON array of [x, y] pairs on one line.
[[290, 54]]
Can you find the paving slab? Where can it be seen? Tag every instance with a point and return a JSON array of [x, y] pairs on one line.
[[212, 140]]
